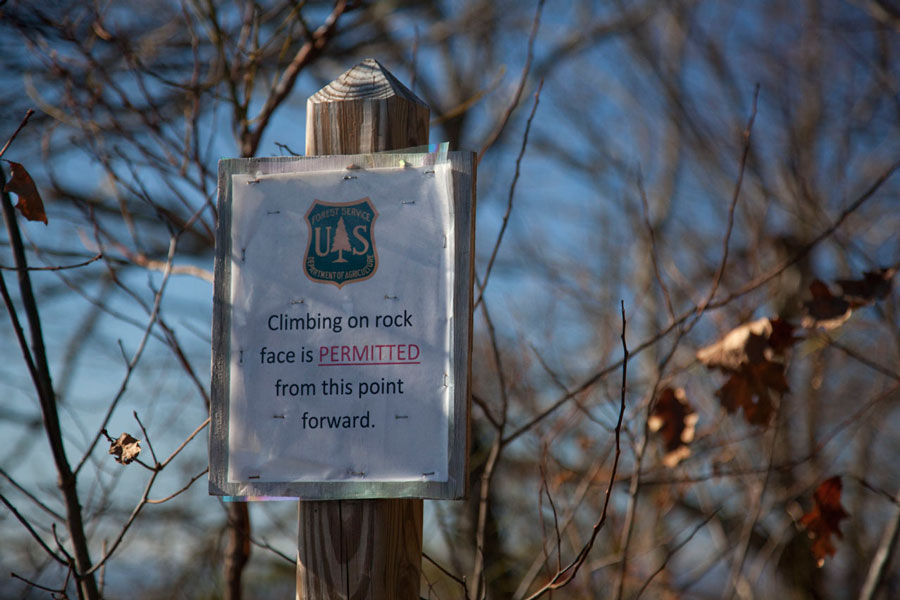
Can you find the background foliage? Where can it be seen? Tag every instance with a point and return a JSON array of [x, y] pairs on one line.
[[653, 176]]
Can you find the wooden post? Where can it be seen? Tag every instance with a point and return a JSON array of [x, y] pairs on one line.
[[362, 549]]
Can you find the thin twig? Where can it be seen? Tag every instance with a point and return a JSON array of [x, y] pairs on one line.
[[129, 368], [183, 489], [250, 138], [27, 116], [146, 439], [477, 585], [460, 580], [882, 558], [31, 530], [94, 258], [674, 550], [584, 487], [726, 241], [20, 333], [273, 550], [743, 546], [566, 575], [645, 206], [37, 585], [31, 496], [509, 200], [529, 56], [187, 440], [863, 359]]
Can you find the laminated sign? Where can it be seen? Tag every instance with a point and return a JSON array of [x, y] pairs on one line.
[[342, 326]]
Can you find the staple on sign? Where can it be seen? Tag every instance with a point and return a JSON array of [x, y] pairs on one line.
[[428, 473], [357, 473], [253, 477], [446, 380], [277, 416], [300, 301], [445, 241], [346, 177], [401, 416], [388, 297], [273, 212], [407, 202], [241, 358], [428, 172]]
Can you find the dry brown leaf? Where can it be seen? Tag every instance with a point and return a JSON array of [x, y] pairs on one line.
[[751, 388], [825, 518], [674, 418], [22, 185], [825, 310], [125, 449], [874, 285], [746, 354], [782, 336], [734, 348]]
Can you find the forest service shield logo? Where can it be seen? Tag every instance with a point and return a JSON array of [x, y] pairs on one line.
[[341, 248]]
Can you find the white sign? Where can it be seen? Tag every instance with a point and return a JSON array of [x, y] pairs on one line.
[[341, 326]]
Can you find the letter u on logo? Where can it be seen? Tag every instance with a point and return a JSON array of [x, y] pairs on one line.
[[318, 242]]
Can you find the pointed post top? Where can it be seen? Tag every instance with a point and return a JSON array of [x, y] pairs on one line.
[[367, 80], [365, 110]]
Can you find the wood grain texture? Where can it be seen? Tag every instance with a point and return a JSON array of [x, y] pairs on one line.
[[365, 110], [377, 552], [359, 549]]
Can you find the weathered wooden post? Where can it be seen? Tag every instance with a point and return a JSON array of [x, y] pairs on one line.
[[362, 549], [341, 348]]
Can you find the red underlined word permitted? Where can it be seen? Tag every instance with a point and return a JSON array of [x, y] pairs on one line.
[[369, 354]]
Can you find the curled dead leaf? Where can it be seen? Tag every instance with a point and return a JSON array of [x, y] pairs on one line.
[[874, 285], [825, 310], [825, 518], [22, 185], [674, 418], [734, 348], [125, 449]]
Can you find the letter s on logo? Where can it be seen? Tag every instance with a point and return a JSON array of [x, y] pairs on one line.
[[365, 242]]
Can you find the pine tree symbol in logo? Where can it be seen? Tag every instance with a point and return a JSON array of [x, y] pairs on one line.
[[341, 242]]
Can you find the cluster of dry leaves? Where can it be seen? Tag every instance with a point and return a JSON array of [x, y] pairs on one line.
[[754, 357]]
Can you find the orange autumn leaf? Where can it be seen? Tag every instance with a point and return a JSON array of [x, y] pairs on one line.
[[22, 185], [825, 518], [674, 418]]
